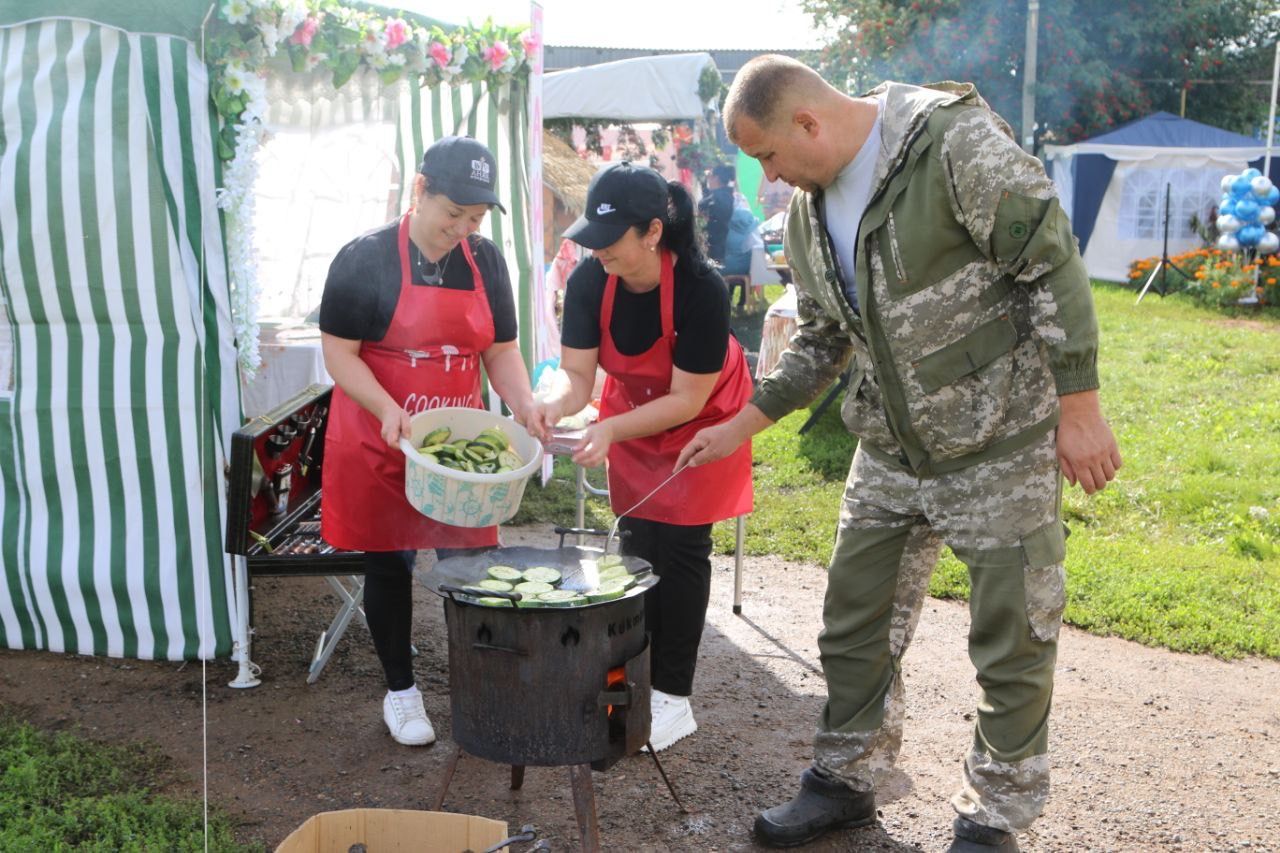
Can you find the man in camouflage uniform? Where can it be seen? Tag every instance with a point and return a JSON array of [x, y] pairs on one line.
[[966, 324]]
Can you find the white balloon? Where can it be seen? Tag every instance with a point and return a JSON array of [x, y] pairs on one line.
[[1266, 215], [1261, 185], [1228, 243], [1227, 181], [1269, 243], [1228, 224]]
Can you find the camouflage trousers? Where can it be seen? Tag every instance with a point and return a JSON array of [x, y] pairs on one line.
[[1002, 518]]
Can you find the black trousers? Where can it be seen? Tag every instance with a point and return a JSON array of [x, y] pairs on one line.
[[388, 607], [676, 608]]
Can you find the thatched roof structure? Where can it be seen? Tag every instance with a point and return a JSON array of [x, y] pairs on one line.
[[565, 173]]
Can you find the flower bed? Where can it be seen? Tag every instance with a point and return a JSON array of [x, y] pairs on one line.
[[1218, 278]]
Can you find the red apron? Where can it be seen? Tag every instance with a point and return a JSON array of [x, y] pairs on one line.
[[430, 357], [701, 495]]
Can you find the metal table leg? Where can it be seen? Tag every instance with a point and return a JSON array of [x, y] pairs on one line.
[[739, 536], [329, 638]]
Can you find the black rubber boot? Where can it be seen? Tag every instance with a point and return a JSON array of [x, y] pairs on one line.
[[822, 804], [975, 838]]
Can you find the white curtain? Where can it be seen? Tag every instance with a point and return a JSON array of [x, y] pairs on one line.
[[327, 172]]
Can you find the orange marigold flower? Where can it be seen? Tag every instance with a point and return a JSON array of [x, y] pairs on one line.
[[1216, 285], [1270, 280]]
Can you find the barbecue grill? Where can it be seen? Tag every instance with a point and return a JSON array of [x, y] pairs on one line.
[[273, 520], [547, 686]]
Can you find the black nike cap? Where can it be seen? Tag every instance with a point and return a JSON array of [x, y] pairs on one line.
[[619, 197]]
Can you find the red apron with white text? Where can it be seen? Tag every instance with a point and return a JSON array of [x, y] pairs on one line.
[[429, 358], [701, 495]]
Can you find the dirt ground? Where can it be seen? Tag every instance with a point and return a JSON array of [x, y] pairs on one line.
[[1151, 750]]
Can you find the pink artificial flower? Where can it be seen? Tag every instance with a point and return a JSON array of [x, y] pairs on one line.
[[396, 33], [439, 53], [496, 55], [305, 32], [531, 44]]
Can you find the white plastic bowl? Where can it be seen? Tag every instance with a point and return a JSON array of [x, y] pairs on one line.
[[464, 498]]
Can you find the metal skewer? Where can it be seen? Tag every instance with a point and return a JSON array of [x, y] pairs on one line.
[[613, 531]]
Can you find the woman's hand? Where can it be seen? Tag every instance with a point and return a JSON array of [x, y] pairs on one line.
[[395, 423], [544, 416], [594, 447]]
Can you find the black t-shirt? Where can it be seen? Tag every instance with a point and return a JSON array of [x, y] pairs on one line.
[[700, 308], [363, 286]]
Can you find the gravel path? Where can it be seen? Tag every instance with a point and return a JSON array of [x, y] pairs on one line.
[[1151, 750]]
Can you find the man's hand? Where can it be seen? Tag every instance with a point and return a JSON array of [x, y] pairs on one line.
[[1087, 450], [719, 441]]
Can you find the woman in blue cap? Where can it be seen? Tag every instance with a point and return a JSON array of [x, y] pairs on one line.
[[410, 311], [651, 311]]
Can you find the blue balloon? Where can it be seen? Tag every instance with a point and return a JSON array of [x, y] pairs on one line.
[[1242, 186], [1273, 197], [1250, 235], [1250, 174], [1247, 210], [1227, 206]]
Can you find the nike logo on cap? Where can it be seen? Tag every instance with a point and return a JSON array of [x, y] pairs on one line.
[[604, 208]]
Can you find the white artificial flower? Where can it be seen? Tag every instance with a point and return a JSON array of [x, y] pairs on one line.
[[235, 78], [270, 37], [396, 59], [236, 11]]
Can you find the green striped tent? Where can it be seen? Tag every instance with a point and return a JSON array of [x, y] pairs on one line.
[[113, 290]]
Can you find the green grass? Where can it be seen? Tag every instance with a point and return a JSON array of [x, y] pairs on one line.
[[1182, 551], [61, 792]]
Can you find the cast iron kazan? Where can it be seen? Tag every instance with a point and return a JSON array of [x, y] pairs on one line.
[[532, 686]]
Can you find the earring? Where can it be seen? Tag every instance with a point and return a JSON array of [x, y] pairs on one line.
[[653, 248]]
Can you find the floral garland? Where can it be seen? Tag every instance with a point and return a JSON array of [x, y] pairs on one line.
[[249, 36]]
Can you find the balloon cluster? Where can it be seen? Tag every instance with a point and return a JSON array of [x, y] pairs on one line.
[[1248, 206]]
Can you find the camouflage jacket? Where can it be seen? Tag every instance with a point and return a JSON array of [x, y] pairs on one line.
[[976, 309]]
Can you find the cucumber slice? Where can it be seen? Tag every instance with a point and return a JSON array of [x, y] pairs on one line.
[[439, 435], [531, 588], [614, 571], [489, 601], [497, 436], [494, 585], [510, 458], [542, 574], [505, 573], [609, 560], [530, 602], [561, 598], [608, 591]]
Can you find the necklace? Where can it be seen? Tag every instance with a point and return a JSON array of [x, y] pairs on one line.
[[435, 276]]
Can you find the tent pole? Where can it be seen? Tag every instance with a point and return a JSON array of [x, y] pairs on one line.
[[1029, 79], [1271, 116], [243, 642]]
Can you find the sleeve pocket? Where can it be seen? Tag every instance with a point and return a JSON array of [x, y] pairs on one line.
[[972, 352], [1029, 231]]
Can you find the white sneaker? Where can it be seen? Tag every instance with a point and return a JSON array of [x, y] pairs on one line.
[[406, 719], [672, 719]]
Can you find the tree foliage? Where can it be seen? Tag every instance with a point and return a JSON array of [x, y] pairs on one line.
[[1100, 62]]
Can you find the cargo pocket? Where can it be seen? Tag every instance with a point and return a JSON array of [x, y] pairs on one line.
[[1044, 579]]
